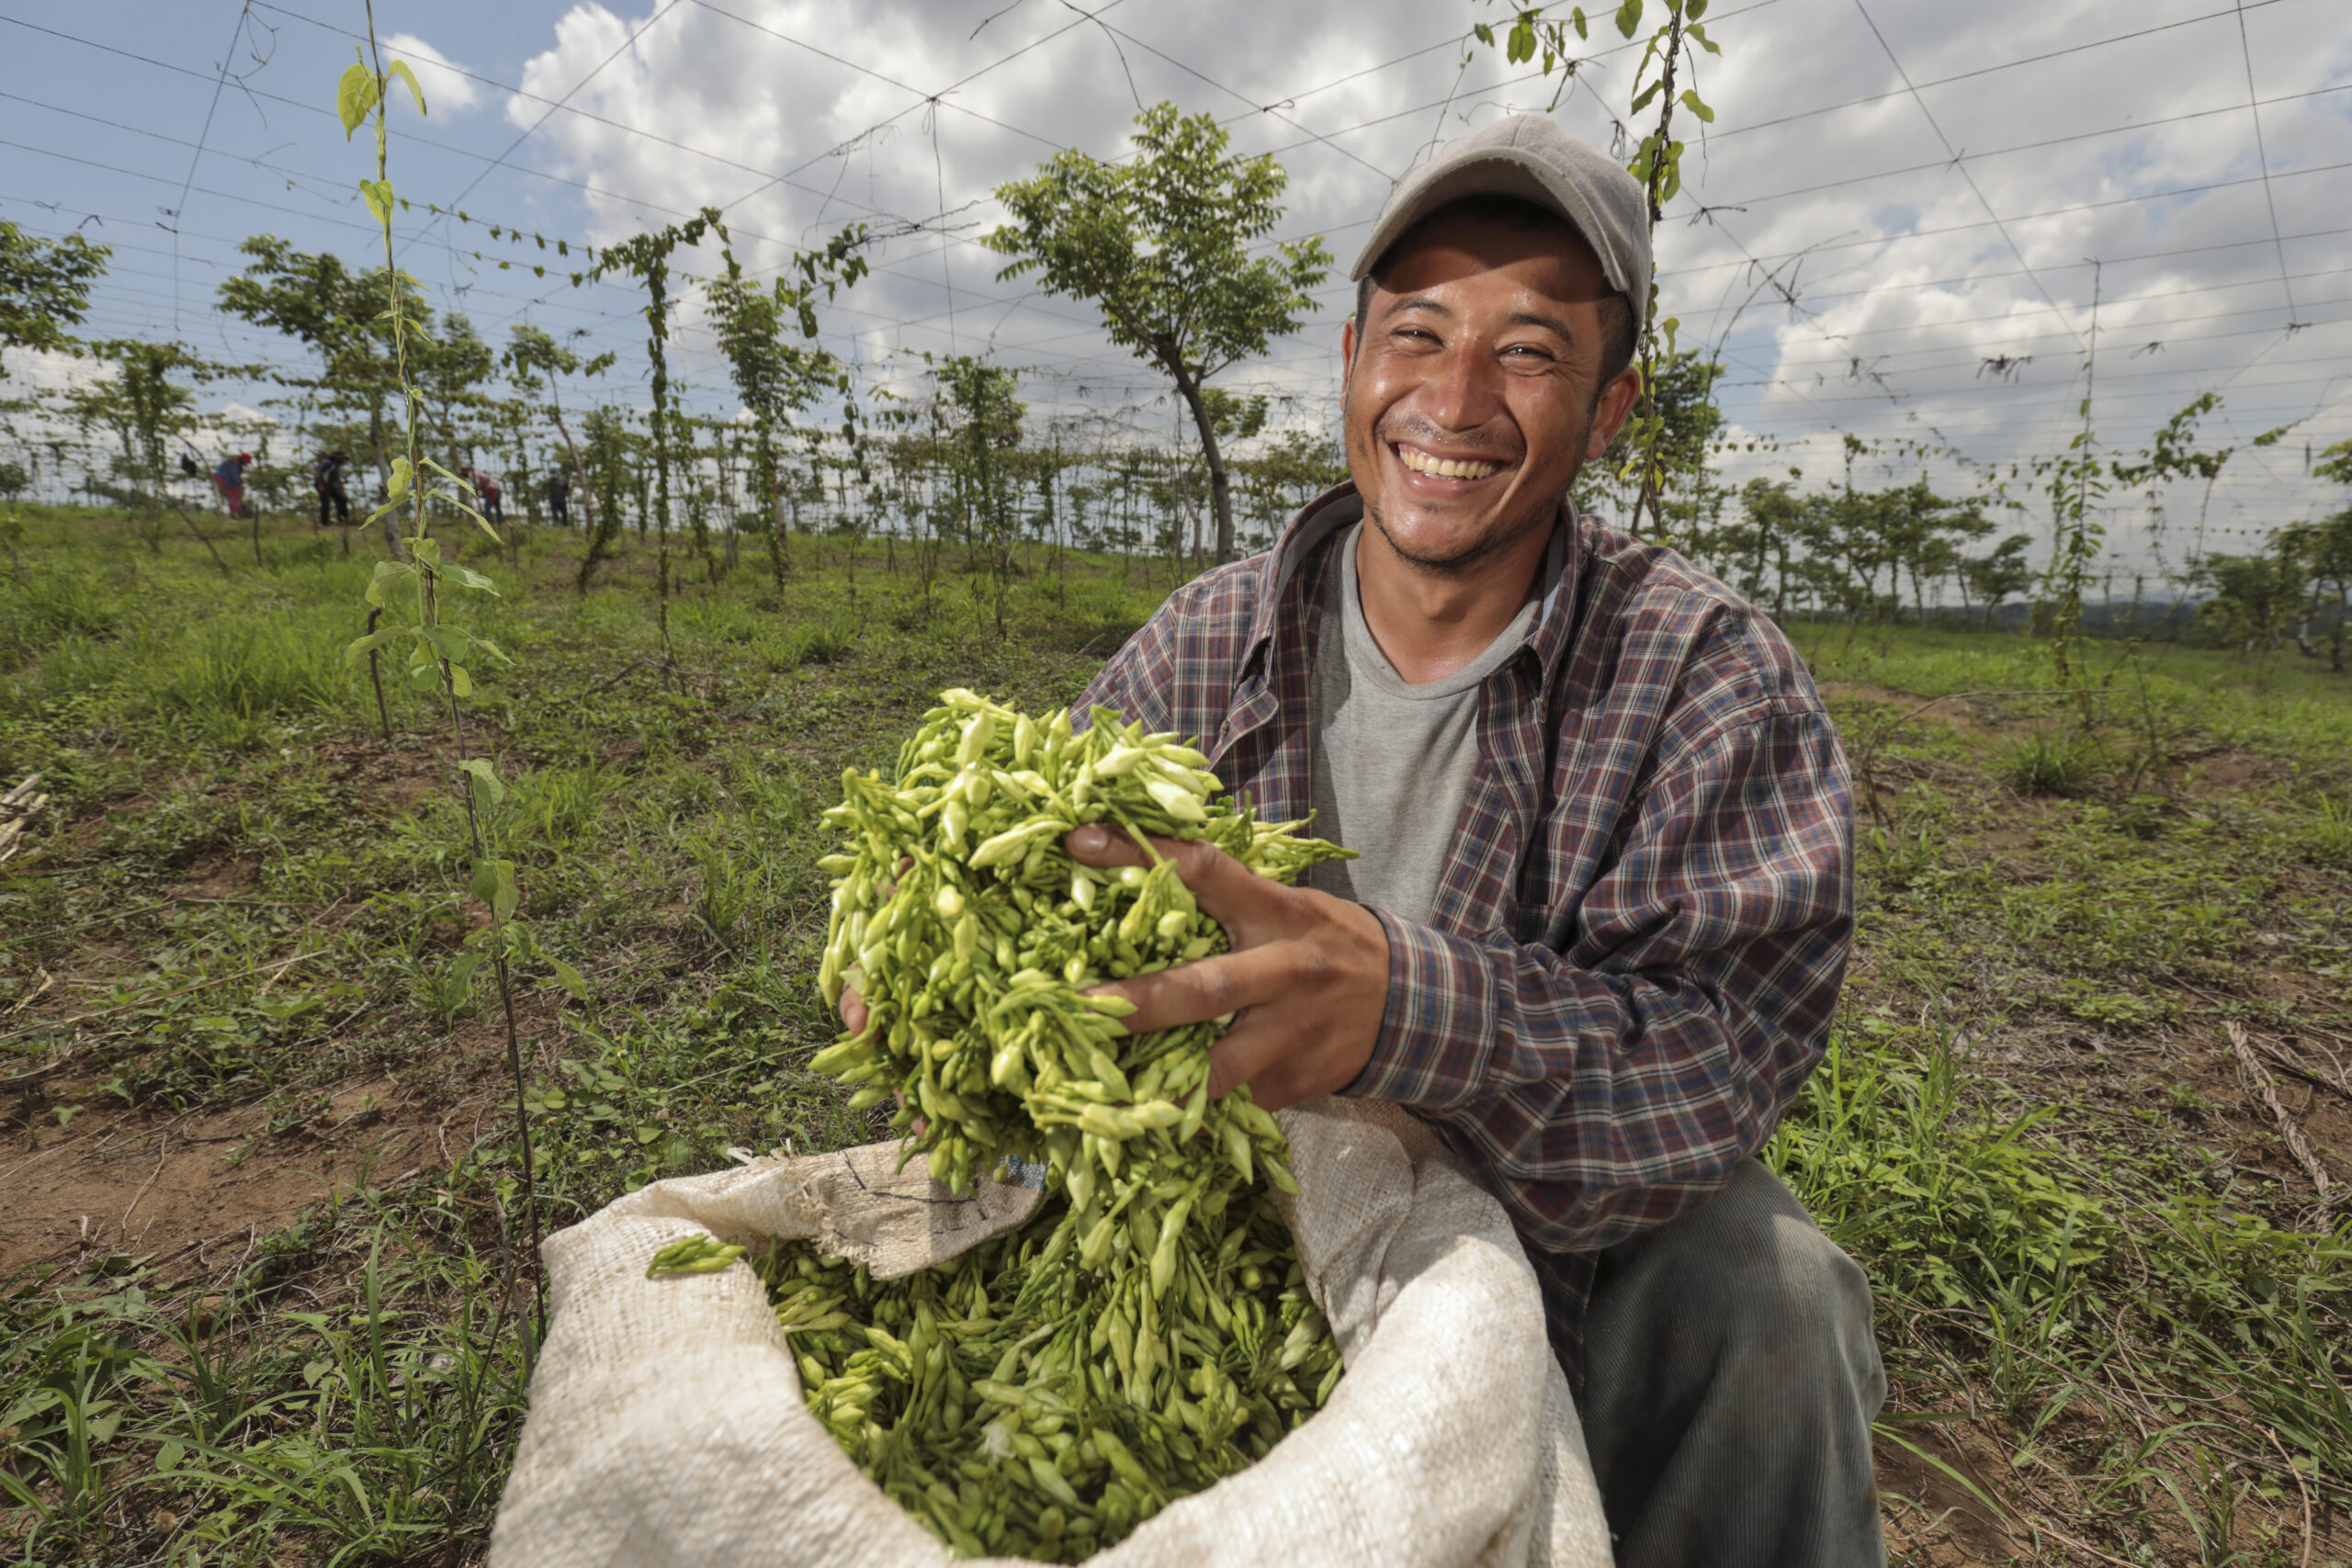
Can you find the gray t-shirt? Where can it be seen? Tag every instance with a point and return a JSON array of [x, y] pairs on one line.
[[1391, 762]]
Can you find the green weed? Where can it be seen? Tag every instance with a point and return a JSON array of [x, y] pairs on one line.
[[2051, 764]]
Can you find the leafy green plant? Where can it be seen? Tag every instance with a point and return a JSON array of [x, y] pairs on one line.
[[438, 653], [1950, 1203], [2052, 762], [2327, 837], [647, 258]]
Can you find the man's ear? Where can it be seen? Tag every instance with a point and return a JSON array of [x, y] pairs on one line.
[[1347, 349], [1611, 409]]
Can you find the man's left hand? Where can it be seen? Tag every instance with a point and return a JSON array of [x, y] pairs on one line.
[[1307, 977]]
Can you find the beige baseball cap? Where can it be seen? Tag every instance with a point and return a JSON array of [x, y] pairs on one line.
[[1530, 157]]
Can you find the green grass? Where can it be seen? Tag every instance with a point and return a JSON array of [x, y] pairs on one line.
[[2111, 1317]]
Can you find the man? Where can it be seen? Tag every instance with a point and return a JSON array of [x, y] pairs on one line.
[[327, 478], [1604, 901], [229, 479], [559, 499]]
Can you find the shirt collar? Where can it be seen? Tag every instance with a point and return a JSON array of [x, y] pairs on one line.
[[1340, 505]]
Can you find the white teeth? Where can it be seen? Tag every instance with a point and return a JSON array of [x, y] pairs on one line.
[[1444, 468]]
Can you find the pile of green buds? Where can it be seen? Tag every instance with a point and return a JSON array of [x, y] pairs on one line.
[[1018, 1405], [1148, 1330]]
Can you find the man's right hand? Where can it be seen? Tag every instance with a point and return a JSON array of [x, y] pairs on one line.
[[854, 1020]]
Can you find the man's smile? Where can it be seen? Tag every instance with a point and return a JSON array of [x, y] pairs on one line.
[[1437, 465]]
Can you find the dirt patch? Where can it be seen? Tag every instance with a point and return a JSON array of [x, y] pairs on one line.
[[173, 1189], [2228, 772], [217, 876], [1953, 712], [1932, 1516], [151, 1188]]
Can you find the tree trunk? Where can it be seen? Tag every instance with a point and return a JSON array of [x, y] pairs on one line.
[[779, 536], [1220, 483]]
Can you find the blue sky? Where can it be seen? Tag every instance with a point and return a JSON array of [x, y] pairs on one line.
[[1933, 183]]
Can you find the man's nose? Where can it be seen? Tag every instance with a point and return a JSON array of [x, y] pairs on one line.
[[1464, 389]]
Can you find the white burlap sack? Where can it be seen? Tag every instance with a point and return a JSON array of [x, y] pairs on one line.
[[667, 1426]]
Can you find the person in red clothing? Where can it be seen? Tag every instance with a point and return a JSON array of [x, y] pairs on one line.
[[489, 494], [229, 479]]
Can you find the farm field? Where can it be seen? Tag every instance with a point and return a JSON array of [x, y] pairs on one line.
[[266, 1243]]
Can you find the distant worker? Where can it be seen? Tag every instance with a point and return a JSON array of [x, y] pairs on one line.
[[559, 499], [229, 479], [490, 492], [327, 478]]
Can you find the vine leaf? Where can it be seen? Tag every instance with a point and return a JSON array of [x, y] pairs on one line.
[[568, 977], [399, 69], [387, 572], [354, 96], [372, 642], [493, 883], [485, 780], [380, 199]]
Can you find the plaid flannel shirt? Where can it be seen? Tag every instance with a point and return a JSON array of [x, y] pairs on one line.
[[1639, 936]]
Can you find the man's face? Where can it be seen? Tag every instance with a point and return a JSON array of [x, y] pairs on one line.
[[1474, 391]]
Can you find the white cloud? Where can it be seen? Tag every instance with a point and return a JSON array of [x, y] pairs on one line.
[[447, 89], [1905, 290]]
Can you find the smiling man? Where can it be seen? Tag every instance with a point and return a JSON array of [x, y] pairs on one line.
[[1604, 901]]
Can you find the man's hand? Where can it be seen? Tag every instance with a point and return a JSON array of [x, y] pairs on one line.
[[1308, 974]]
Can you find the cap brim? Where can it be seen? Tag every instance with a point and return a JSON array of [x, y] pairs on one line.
[[1491, 171]]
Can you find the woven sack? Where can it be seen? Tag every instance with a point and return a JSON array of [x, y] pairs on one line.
[[667, 1427]]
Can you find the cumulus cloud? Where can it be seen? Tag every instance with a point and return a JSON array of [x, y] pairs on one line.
[[447, 89], [1926, 265]]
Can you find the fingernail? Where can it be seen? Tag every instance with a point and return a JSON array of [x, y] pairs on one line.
[[1089, 840]]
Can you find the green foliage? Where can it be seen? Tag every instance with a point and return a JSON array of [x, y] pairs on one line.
[[1952, 1205], [1649, 450], [40, 610], [774, 376], [2053, 763], [44, 287], [1162, 244]]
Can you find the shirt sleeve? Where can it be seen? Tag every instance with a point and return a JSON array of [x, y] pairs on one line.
[[1604, 1088]]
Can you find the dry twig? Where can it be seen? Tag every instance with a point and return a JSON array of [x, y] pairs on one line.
[[2266, 1088]]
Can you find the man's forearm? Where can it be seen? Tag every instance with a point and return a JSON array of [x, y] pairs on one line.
[[1599, 1103]]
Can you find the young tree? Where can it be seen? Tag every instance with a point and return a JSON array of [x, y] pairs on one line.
[[646, 257], [337, 313], [1994, 577], [145, 406], [1774, 521], [987, 429], [536, 362], [1160, 243], [2325, 551], [774, 376], [44, 289]]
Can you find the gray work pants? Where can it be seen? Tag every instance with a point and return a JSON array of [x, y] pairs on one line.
[[1731, 1381]]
